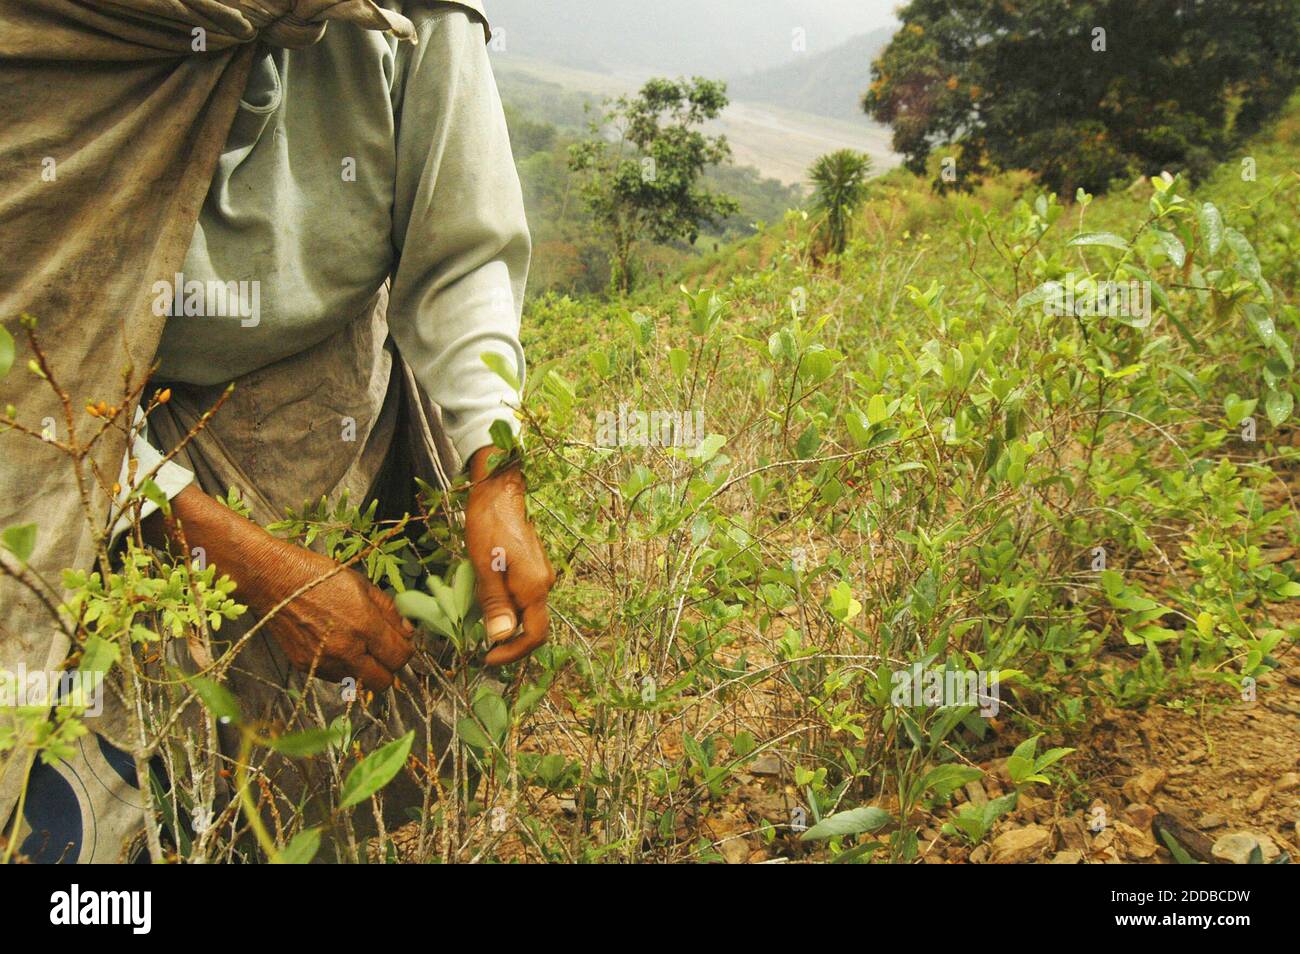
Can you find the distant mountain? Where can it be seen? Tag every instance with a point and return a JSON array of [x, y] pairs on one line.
[[826, 84], [713, 38]]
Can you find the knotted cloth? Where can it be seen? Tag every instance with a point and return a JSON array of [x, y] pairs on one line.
[[114, 113]]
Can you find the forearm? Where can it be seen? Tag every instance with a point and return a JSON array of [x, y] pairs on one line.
[[237, 547], [328, 620]]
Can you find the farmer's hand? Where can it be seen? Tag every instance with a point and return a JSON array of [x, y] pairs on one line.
[[514, 576], [342, 624]]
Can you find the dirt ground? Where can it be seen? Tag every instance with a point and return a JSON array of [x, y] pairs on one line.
[[1221, 778]]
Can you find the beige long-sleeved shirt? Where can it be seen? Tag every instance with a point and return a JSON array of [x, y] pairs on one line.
[[350, 161]]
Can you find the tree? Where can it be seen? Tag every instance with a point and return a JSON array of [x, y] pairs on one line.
[[839, 186], [644, 184], [1084, 93]]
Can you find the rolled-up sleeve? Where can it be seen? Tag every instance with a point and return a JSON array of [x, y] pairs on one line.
[[459, 229], [140, 462]]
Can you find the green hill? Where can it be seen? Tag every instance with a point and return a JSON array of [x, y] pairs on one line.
[[827, 84]]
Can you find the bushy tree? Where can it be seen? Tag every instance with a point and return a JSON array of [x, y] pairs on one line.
[[1083, 93], [839, 186], [643, 182]]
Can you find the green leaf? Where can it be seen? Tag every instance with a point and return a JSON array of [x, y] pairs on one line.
[[502, 368], [677, 360], [1020, 769], [503, 436], [1173, 247], [375, 771], [6, 351], [877, 409], [1211, 227], [1261, 322], [856, 423], [709, 447], [808, 442], [781, 345], [1237, 409], [301, 849], [472, 735], [20, 541], [1108, 239], [218, 699], [462, 586], [842, 605], [1036, 296], [486, 729], [883, 436], [492, 712], [599, 362], [1050, 758], [154, 494], [742, 744], [307, 742], [446, 598], [641, 326], [550, 768], [857, 851], [817, 365], [946, 779], [1245, 253], [529, 696], [422, 607], [1278, 405], [853, 822], [1026, 749], [1161, 299], [99, 655]]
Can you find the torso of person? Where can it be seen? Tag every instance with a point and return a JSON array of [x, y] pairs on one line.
[[295, 235]]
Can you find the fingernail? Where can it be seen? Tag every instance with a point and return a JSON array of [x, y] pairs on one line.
[[499, 626]]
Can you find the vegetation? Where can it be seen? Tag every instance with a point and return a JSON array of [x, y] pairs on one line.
[[570, 255], [646, 185], [839, 186], [1015, 441], [1084, 93]]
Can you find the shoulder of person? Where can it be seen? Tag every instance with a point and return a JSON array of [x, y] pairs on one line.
[[420, 12]]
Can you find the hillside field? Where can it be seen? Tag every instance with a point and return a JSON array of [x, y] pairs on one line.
[[903, 461]]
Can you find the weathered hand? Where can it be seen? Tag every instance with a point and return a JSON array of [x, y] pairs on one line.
[[342, 624], [514, 576]]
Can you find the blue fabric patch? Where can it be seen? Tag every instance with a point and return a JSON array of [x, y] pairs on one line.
[[54, 816], [118, 761]]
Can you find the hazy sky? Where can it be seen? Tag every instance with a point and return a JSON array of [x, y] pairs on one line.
[[716, 37]]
